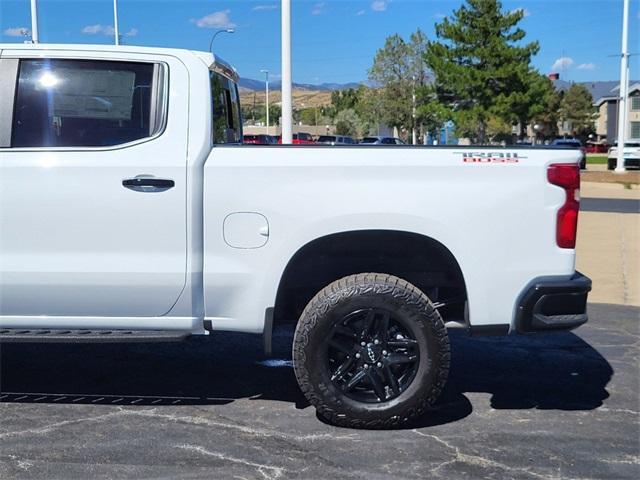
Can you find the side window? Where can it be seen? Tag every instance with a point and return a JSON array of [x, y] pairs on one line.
[[83, 103], [227, 123]]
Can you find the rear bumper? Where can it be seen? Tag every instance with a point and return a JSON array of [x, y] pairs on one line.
[[553, 305]]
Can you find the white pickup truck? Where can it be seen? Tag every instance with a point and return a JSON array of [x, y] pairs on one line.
[[131, 211]]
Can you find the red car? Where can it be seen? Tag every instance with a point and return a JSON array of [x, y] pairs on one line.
[[300, 139], [593, 147], [258, 140]]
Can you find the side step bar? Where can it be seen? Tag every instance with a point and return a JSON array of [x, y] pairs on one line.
[[42, 335]]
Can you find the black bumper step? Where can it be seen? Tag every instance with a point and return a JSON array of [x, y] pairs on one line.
[[43, 335], [554, 305]]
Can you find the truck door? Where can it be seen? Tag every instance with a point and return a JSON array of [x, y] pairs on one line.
[[92, 185]]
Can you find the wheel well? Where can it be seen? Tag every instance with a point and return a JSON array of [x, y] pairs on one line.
[[419, 259]]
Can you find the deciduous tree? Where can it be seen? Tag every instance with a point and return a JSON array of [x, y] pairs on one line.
[[577, 109]]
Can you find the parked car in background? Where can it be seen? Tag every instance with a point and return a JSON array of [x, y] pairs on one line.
[[336, 140], [572, 143], [631, 153], [378, 140], [300, 138], [597, 147], [258, 140]]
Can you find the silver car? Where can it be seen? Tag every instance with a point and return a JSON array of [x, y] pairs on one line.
[[336, 140]]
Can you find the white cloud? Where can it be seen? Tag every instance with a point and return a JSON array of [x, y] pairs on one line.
[[17, 32], [525, 13], [361, 12], [318, 8], [108, 30], [215, 20], [98, 29], [587, 66], [263, 8], [562, 63], [379, 5]]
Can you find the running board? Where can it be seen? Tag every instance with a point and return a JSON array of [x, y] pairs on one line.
[[42, 335]]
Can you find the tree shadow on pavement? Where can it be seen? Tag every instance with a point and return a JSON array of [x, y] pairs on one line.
[[555, 371]]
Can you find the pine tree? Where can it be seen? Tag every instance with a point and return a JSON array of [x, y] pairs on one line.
[[481, 67]]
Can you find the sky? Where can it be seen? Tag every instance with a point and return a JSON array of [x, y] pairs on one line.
[[334, 41]]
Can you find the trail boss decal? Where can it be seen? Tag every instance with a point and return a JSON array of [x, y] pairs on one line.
[[490, 157]]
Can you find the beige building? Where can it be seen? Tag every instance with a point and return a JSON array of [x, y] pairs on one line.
[[607, 121]]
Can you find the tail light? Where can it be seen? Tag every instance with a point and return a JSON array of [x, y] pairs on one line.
[[567, 176]]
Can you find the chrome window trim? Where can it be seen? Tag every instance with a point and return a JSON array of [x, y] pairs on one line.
[[225, 69], [8, 82]]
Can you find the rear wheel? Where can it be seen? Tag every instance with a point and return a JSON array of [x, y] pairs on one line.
[[370, 351]]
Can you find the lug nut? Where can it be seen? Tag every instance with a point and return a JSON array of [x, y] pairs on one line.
[[362, 344], [366, 365], [379, 364], [384, 352], [376, 341], [357, 355]]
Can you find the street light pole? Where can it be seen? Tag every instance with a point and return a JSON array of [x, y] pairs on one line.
[[115, 22], [224, 30], [266, 83], [34, 21], [287, 99], [414, 136], [624, 89]]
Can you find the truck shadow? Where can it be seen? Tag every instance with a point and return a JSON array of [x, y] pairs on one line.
[[558, 371]]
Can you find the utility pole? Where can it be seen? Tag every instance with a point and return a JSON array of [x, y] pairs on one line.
[[116, 31], [287, 99], [266, 73], [34, 21], [624, 89]]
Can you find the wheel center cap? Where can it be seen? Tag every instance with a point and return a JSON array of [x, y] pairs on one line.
[[371, 352]]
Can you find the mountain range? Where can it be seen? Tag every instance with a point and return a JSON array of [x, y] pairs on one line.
[[250, 85]]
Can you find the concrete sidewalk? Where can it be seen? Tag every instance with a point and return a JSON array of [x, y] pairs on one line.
[[608, 190], [607, 252], [608, 245]]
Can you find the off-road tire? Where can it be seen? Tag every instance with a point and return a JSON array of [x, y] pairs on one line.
[[397, 296]]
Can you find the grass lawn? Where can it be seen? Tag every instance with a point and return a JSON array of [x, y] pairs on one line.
[[596, 159]]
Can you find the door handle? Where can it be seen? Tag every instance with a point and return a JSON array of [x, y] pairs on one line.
[[148, 184]]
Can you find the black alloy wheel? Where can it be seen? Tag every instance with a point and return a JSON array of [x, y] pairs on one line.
[[372, 357]]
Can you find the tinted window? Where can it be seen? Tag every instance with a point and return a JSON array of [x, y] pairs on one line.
[[369, 140], [81, 103], [326, 139], [227, 125]]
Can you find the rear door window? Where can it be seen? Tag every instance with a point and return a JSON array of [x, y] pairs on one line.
[[83, 103]]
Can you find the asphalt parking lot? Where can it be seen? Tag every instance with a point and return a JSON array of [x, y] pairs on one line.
[[547, 406]]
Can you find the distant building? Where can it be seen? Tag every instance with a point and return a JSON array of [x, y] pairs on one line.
[[605, 99]]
